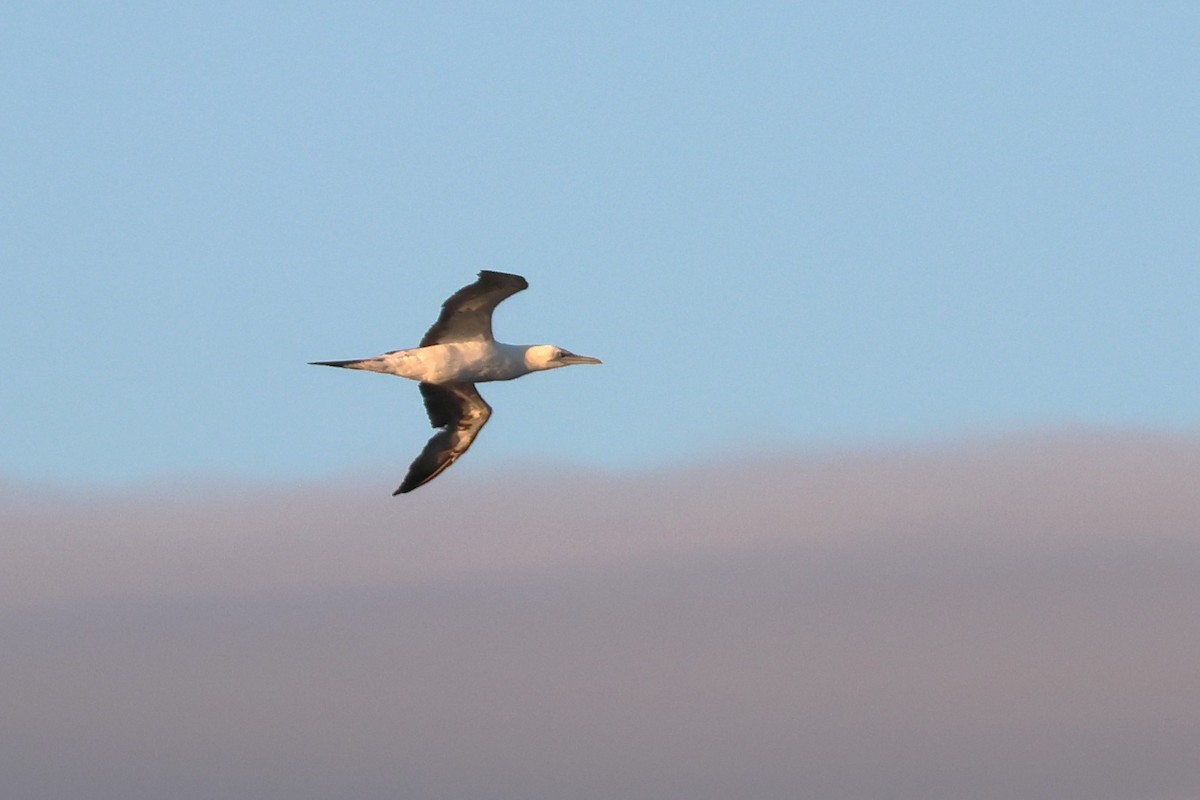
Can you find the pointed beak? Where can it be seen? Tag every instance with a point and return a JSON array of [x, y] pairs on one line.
[[571, 358]]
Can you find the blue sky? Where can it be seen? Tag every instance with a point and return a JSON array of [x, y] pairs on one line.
[[779, 226]]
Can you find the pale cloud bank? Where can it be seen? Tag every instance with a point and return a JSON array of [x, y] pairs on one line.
[[1005, 620]]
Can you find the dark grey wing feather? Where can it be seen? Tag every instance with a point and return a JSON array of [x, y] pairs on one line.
[[461, 413], [467, 315]]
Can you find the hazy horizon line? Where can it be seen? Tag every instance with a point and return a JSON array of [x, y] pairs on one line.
[[216, 483]]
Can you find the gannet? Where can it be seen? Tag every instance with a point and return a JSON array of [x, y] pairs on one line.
[[458, 352]]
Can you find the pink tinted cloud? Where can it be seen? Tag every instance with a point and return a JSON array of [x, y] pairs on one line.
[[1012, 619]]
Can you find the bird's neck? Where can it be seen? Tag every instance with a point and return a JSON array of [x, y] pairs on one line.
[[507, 361]]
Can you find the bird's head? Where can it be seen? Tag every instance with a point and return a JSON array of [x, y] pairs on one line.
[[548, 356]]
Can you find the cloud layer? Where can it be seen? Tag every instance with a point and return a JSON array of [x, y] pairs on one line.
[[1003, 620]]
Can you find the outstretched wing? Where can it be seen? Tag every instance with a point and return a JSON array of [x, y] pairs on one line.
[[461, 413], [467, 315]]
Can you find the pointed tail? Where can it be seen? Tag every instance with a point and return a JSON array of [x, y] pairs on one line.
[[378, 364], [347, 364]]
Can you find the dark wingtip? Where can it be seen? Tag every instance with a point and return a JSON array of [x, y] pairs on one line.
[[328, 363], [502, 278], [409, 484]]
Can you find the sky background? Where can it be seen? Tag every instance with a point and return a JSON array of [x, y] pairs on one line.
[[886, 488], [782, 227]]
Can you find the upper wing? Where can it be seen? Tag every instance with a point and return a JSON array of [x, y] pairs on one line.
[[461, 413], [467, 315]]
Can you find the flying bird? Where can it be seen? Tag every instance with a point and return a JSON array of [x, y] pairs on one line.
[[458, 352]]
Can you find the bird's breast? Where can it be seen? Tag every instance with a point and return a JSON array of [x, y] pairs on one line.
[[458, 362]]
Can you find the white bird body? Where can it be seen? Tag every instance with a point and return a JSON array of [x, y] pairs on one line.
[[455, 354], [459, 362]]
